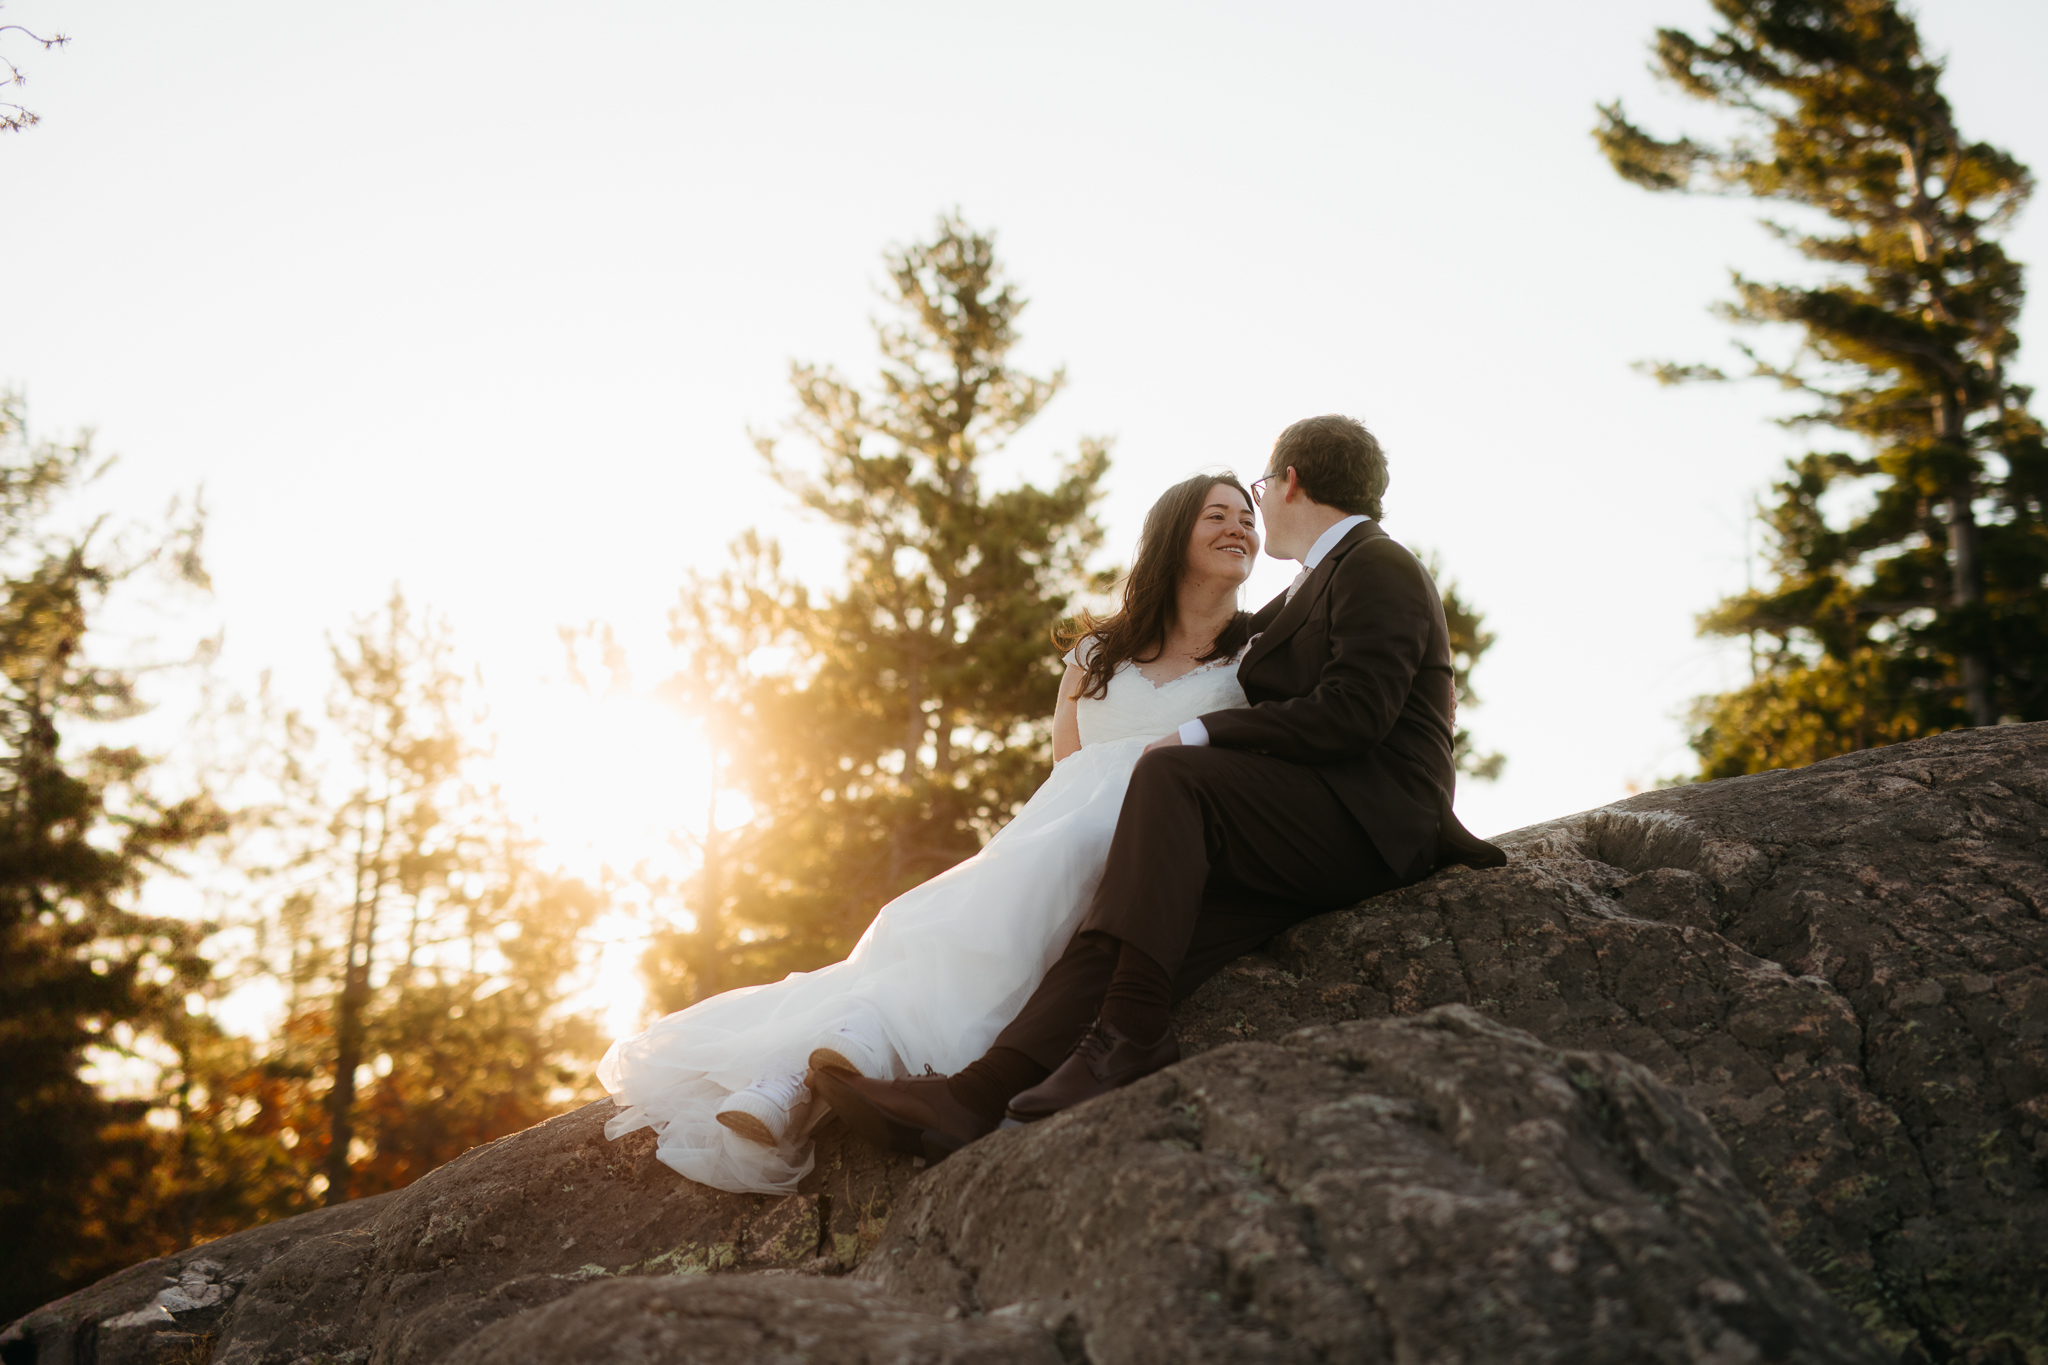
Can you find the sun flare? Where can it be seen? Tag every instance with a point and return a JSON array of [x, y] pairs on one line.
[[613, 782]]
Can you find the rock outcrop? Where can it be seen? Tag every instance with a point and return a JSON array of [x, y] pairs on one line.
[[1844, 967], [408, 1276], [1752, 1070], [1437, 1188]]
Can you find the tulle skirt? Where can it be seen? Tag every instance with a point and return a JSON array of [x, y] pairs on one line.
[[939, 973]]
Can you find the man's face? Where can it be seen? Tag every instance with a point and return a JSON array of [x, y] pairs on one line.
[[1279, 495]]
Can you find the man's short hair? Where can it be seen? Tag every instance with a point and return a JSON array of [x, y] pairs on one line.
[[1338, 462]]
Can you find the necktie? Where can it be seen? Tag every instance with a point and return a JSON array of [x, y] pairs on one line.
[[1291, 587]]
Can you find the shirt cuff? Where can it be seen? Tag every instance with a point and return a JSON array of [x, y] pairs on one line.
[[1194, 732]]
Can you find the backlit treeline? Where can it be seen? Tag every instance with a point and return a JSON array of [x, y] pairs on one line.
[[79, 832], [416, 946], [422, 948]]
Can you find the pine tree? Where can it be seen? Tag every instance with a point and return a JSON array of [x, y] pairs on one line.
[[477, 1044], [81, 970], [395, 708], [442, 945], [1469, 642], [460, 1036], [884, 729], [423, 951], [1909, 567]]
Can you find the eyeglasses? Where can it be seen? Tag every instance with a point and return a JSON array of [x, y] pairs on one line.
[[1259, 485]]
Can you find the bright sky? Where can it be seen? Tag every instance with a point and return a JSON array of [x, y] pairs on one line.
[[483, 298]]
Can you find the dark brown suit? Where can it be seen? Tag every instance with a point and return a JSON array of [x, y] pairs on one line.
[[1352, 680], [1334, 785]]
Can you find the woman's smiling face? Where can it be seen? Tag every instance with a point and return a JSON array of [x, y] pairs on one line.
[[1226, 536]]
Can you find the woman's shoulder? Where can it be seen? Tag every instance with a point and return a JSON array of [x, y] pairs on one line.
[[1083, 652]]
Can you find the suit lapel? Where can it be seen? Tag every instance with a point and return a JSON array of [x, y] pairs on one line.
[[1305, 597]]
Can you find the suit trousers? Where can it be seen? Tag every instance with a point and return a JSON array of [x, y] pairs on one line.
[[1216, 850]]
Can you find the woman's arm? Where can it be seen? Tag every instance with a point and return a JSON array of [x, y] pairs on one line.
[[1066, 722]]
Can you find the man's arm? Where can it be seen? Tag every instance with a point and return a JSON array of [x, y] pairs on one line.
[[1381, 617], [1193, 732]]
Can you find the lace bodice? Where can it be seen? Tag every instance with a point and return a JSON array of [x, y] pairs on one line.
[[1133, 706]]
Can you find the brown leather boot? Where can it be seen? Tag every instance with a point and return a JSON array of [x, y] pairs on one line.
[[916, 1115], [1104, 1060]]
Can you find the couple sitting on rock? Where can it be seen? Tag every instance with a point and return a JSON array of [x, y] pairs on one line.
[[1218, 777]]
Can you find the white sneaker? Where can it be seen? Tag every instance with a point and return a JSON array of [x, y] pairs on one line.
[[767, 1111], [859, 1046]]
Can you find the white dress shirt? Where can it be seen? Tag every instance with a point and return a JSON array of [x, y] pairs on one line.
[[1193, 731]]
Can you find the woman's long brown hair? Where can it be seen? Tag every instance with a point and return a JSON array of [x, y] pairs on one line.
[[1137, 629]]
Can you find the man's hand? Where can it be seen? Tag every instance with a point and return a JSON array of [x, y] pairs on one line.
[[1166, 741]]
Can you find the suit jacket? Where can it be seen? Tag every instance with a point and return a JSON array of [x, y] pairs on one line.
[[1352, 678]]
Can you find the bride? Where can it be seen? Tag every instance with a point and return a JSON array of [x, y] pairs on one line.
[[947, 964]]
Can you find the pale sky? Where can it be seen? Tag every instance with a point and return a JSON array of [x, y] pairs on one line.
[[483, 298]]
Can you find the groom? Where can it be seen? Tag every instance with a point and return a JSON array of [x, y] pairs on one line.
[[1332, 786]]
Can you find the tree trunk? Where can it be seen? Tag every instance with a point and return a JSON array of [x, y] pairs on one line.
[[917, 724], [711, 900], [350, 1006], [906, 833], [1968, 571], [348, 1055]]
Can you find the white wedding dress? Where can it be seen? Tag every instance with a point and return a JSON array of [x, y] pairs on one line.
[[941, 970]]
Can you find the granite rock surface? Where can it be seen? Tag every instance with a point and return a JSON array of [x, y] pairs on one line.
[[1844, 967], [1804, 1016], [1433, 1188]]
